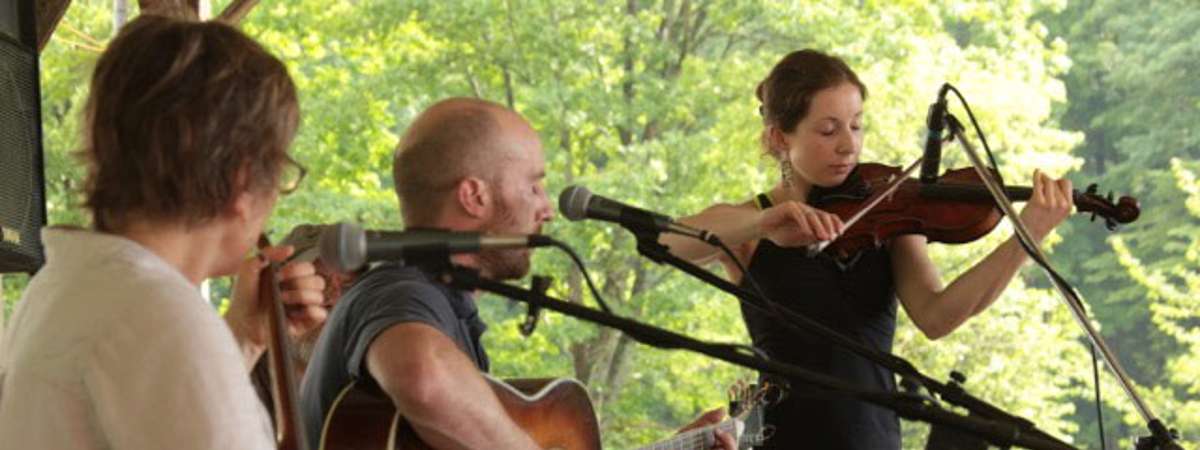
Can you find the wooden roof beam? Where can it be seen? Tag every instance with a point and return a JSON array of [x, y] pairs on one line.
[[49, 13], [190, 9], [236, 11], [180, 9]]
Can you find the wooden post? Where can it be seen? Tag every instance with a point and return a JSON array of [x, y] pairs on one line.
[[120, 14]]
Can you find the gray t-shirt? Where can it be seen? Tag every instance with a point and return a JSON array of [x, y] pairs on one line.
[[387, 295]]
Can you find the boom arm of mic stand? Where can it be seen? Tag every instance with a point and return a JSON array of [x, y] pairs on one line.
[[999, 433], [1069, 295]]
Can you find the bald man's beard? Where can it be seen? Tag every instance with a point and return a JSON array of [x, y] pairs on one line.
[[505, 264], [508, 264]]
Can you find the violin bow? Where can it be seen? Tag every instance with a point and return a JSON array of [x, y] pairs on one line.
[[814, 249], [283, 378]]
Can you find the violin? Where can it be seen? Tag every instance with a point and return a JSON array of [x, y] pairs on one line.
[[957, 209]]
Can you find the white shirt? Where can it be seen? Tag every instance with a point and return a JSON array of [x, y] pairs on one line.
[[112, 348]]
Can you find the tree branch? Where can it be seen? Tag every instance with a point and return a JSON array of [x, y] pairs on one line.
[[508, 86], [504, 70], [474, 84], [618, 366], [627, 88], [86, 37], [90, 48], [664, 26], [575, 287]]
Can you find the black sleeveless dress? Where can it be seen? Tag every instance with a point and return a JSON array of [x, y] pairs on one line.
[[855, 297]]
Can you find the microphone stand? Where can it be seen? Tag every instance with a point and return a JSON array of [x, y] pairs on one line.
[[648, 246], [909, 406], [1160, 437]]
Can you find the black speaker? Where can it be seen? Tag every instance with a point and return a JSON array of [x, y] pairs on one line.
[[22, 192]]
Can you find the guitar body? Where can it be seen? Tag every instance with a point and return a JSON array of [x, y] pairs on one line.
[[557, 414]]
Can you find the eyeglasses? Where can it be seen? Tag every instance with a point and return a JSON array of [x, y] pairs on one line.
[[291, 176]]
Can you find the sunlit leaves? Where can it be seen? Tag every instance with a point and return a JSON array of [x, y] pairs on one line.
[[652, 103]]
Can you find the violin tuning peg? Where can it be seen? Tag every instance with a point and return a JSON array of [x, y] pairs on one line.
[[1091, 189], [1092, 217], [1109, 197], [1110, 224]]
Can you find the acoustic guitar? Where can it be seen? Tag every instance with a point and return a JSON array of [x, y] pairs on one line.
[[556, 413]]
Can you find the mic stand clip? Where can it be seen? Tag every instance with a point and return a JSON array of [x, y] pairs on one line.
[[539, 284]]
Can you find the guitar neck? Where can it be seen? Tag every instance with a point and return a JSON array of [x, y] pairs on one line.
[[698, 439]]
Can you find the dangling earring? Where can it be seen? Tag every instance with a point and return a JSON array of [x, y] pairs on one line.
[[785, 172]]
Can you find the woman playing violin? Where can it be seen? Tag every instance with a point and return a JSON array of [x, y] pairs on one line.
[[812, 108]]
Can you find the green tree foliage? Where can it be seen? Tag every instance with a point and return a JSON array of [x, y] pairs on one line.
[[652, 102], [1174, 311], [1131, 94]]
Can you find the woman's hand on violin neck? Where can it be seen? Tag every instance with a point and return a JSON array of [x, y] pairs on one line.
[[794, 224], [301, 292], [1051, 203]]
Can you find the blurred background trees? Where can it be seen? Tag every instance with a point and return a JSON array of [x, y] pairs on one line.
[[652, 102]]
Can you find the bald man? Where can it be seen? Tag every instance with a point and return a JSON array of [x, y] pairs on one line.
[[464, 165]]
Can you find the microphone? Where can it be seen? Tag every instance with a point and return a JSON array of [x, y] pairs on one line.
[[936, 121], [347, 247], [577, 202]]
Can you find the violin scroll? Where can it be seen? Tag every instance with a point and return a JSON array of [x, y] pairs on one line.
[[1126, 210]]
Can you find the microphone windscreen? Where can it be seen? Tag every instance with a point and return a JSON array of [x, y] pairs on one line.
[[573, 201], [344, 246]]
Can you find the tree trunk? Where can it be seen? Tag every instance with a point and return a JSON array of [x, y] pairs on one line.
[[603, 362]]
